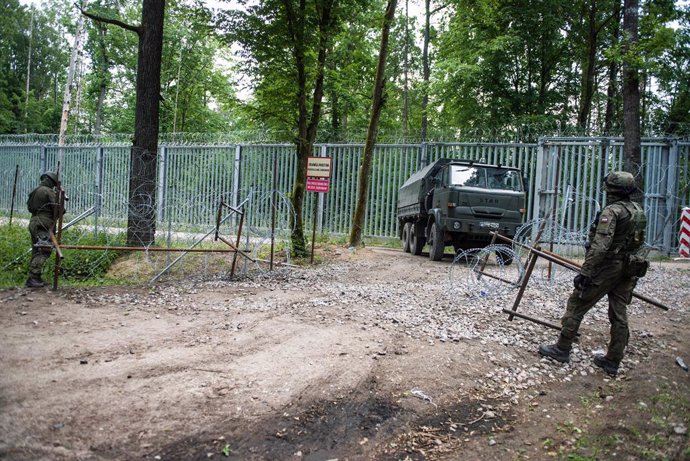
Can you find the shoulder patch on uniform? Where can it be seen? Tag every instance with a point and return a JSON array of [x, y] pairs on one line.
[[604, 219]]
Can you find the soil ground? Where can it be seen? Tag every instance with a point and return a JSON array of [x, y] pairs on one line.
[[249, 370]]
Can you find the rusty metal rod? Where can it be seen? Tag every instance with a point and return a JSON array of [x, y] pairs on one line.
[[56, 245], [485, 259], [58, 238], [218, 216], [494, 277], [231, 245], [171, 250], [531, 262], [531, 319], [573, 265], [237, 245]]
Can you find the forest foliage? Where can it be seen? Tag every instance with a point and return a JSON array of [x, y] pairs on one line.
[[518, 68]]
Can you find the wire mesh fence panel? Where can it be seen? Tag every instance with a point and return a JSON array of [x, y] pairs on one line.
[[562, 173], [24, 163], [114, 186], [78, 170]]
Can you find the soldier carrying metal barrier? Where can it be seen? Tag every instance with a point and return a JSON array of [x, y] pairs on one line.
[[43, 204], [612, 266]]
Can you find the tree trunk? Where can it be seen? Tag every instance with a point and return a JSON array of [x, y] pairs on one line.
[[103, 65], [631, 91], [588, 68], [406, 64], [426, 71], [141, 220], [306, 125], [378, 101], [612, 88], [28, 71], [67, 95]]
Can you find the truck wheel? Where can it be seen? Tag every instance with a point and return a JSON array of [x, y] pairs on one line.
[[436, 244], [417, 239], [406, 237]]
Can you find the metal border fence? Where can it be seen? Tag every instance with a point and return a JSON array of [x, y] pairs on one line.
[[564, 174]]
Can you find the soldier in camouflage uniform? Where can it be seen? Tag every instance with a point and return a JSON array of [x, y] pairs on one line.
[[611, 268], [42, 203]]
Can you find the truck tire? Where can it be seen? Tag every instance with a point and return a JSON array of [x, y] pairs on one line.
[[406, 237], [417, 239], [436, 244]]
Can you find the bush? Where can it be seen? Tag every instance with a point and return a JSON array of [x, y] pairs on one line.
[[77, 265], [15, 254], [87, 264]]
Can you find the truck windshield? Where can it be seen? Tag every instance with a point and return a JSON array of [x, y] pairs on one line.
[[485, 178]]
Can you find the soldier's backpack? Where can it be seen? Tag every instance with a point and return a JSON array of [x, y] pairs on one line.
[[637, 263]]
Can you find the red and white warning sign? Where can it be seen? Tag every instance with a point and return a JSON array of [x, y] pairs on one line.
[[318, 174], [684, 248]]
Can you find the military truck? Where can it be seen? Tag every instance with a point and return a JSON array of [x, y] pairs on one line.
[[459, 203]]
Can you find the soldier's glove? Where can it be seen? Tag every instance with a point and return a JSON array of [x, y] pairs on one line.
[[581, 282]]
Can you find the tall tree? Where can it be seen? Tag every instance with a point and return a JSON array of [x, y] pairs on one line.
[[505, 65], [613, 69], [631, 89], [286, 44], [377, 102], [67, 97], [141, 219], [307, 121]]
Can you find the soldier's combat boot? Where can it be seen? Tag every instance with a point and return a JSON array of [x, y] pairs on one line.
[[554, 352], [609, 366], [34, 283]]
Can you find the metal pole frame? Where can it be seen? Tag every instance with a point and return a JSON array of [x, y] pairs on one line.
[[561, 261]]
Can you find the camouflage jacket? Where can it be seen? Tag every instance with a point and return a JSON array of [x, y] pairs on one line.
[[43, 201], [618, 231]]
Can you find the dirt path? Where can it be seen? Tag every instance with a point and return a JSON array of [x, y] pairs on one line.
[[371, 356]]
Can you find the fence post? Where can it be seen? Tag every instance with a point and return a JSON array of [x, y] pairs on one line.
[[99, 187], [44, 159], [672, 205], [162, 182], [237, 162], [425, 158], [538, 181], [324, 153]]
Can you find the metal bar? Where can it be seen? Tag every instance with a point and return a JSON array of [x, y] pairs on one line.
[[84, 215], [58, 238], [218, 216], [232, 245], [494, 277], [485, 259], [273, 206], [237, 244], [154, 249], [523, 286], [531, 319], [576, 267], [56, 245]]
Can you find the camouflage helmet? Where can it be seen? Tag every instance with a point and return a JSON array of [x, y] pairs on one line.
[[620, 182], [53, 177]]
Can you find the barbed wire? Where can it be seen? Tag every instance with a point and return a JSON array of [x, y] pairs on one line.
[[530, 132], [484, 272]]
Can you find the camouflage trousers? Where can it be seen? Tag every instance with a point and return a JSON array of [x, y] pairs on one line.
[[610, 279], [39, 228]]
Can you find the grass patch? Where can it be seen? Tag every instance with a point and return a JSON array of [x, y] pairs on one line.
[[645, 433]]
